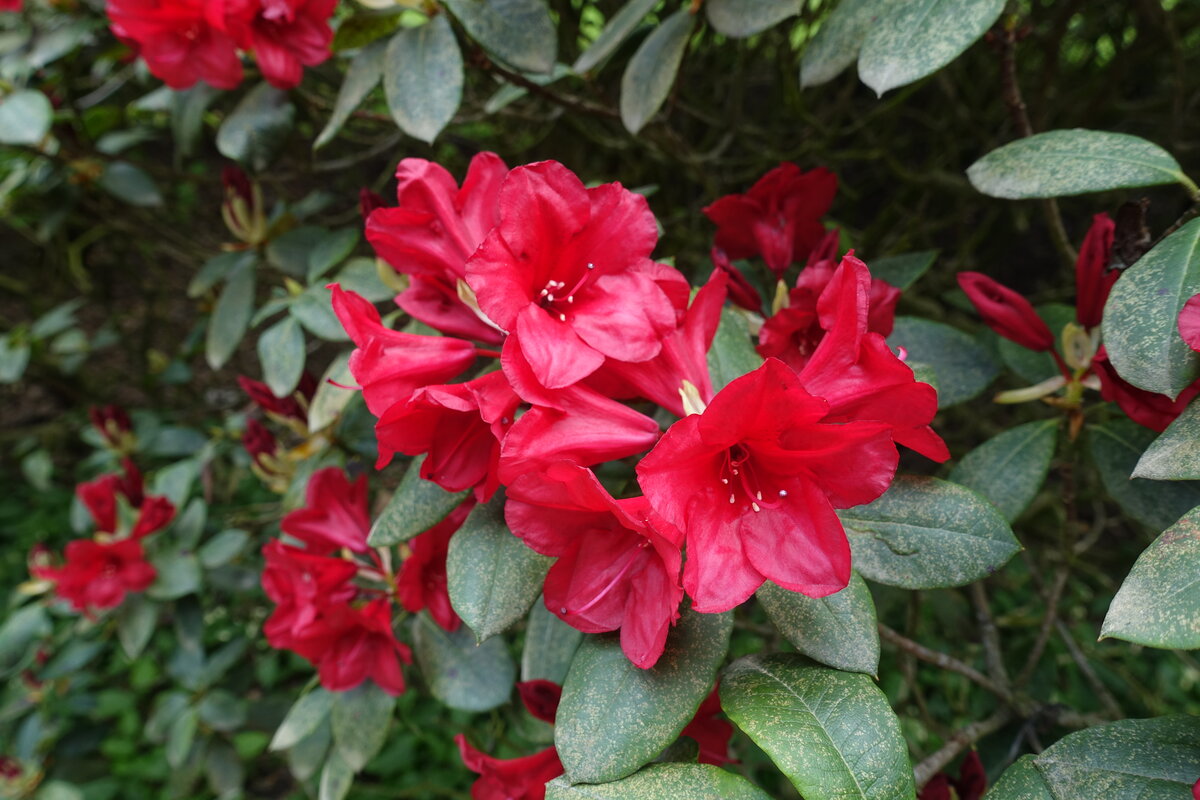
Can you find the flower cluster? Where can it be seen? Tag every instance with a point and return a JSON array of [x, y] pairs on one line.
[[555, 280], [184, 41]]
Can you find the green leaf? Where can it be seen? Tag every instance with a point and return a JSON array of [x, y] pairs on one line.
[[25, 118], [492, 576], [416, 506], [231, 315], [837, 42], [56, 320], [832, 733], [187, 116], [902, 271], [550, 646], [1175, 454], [362, 76], [302, 719], [840, 630], [314, 309], [925, 533], [19, 632], [1116, 447], [962, 366], [615, 32], [126, 182], [732, 354], [650, 74], [281, 352], [462, 674], [331, 251], [218, 268], [178, 575], [1010, 469], [308, 755], [256, 129], [361, 718], [329, 401], [224, 771], [223, 548], [615, 717], [364, 29], [222, 710], [518, 32], [14, 357], [1159, 602], [659, 781], [290, 251], [59, 790], [917, 38], [1142, 759], [336, 778], [180, 735], [136, 621], [1141, 317], [741, 18], [1075, 161], [423, 78]]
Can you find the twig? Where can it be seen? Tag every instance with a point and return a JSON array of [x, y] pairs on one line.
[[962, 739], [990, 636], [566, 101], [1047, 627], [939, 659], [1111, 706]]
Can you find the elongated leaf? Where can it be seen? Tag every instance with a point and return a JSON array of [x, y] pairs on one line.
[[135, 624], [1075, 161], [961, 366], [741, 18], [361, 717], [180, 735], [25, 117], [615, 32], [840, 630], [257, 128], [281, 353], [832, 733], [1116, 447], [14, 357], [223, 548], [423, 78], [336, 778], [314, 310], [660, 781], [925, 533], [614, 717], [126, 182], [366, 28], [902, 271], [1175, 454], [1009, 469], [1021, 781], [18, 633], [492, 576], [732, 354], [331, 251], [187, 116], [461, 673], [218, 268], [304, 717], [363, 75], [919, 37], [1159, 602], [1141, 318], [231, 315], [837, 42], [550, 646], [416, 506], [650, 74], [518, 32], [329, 401]]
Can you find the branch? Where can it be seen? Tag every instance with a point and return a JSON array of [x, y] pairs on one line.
[[933, 764], [990, 636], [939, 659], [566, 101]]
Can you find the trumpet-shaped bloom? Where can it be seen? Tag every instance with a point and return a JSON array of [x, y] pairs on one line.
[[334, 515], [361, 644], [98, 575], [181, 41]]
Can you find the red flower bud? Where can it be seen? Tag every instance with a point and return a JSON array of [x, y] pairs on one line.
[[741, 291], [1006, 312], [541, 698], [112, 423], [1093, 278]]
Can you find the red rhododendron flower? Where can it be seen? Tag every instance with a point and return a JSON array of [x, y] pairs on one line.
[[155, 514], [778, 219], [360, 645], [389, 365], [302, 585], [510, 779], [260, 443], [754, 481], [1148, 409], [334, 515], [970, 784], [618, 562], [421, 580], [741, 291], [541, 698], [100, 498], [182, 41], [112, 423], [285, 35], [1196, 789], [1189, 322], [1006, 312], [1093, 279], [711, 732], [11, 5], [98, 575], [459, 426], [561, 269], [284, 407]]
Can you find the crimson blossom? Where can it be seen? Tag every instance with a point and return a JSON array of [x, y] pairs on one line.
[[96, 574]]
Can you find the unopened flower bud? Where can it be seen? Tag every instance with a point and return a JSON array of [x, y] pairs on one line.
[[242, 209], [1006, 312]]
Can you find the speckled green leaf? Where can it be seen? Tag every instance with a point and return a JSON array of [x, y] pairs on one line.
[[1037, 367], [832, 733], [902, 271], [614, 717], [366, 28], [416, 506], [281, 352], [492, 576], [136, 621], [1076, 161], [304, 717], [1021, 781], [18, 633], [1159, 602], [1141, 318], [840, 630], [662, 781], [732, 354], [131, 184], [361, 717], [336, 778], [1116, 448], [925, 533], [550, 646], [518, 32], [741, 18], [650, 74], [838, 40], [1175, 454], [917, 38], [329, 401], [462, 674], [1133, 759], [231, 315], [962, 366], [25, 117], [615, 32], [423, 78], [256, 129], [1009, 469]]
